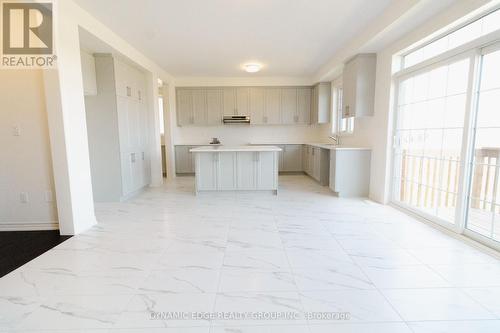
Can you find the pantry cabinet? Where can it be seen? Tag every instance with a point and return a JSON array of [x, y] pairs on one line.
[[118, 130]]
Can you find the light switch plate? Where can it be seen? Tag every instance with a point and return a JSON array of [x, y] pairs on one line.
[[23, 197], [16, 131]]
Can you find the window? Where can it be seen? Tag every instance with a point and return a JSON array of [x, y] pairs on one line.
[[446, 153], [467, 33], [342, 125]]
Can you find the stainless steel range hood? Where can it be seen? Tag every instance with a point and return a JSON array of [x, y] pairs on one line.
[[236, 119]]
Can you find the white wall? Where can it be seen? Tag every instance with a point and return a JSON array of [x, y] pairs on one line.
[[26, 164]]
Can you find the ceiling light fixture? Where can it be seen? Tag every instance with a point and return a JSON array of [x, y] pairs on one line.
[[252, 68]]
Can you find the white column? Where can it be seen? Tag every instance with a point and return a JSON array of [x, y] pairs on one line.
[[68, 131]]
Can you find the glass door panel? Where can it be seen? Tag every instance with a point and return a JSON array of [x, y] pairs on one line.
[[429, 130], [483, 214]]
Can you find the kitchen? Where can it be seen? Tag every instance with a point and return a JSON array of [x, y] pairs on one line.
[[294, 119]]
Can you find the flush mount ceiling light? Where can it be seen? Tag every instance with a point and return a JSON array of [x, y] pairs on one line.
[[252, 68]]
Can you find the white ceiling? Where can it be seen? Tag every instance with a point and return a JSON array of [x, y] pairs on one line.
[[215, 37]]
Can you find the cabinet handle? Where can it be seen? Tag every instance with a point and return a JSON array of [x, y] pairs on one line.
[[143, 156], [139, 94], [132, 157], [129, 91]]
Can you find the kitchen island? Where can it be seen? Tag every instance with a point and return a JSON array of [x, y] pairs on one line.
[[238, 168]]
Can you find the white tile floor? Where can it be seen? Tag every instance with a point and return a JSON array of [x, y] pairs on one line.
[[302, 252]]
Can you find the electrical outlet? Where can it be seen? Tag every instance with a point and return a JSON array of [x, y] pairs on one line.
[[16, 131], [23, 197]]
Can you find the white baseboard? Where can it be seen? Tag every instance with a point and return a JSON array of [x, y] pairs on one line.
[[29, 226]]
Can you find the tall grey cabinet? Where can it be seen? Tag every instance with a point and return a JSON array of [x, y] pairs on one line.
[[117, 125]]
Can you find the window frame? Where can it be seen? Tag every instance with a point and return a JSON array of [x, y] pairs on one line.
[[472, 50], [336, 128]]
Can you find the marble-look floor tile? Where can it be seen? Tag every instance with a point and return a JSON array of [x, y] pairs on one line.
[[476, 326], [416, 276], [488, 297], [435, 304], [165, 260], [361, 328], [358, 305], [260, 308], [181, 280], [240, 280], [266, 260], [167, 310], [337, 276]]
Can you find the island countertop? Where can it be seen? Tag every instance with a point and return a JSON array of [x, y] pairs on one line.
[[217, 149]]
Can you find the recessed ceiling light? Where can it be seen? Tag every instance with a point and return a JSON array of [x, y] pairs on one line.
[[252, 68]]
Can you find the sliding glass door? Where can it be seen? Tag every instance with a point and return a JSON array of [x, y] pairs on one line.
[[483, 209], [431, 113]]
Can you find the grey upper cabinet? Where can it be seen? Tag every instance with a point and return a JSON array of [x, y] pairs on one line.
[[272, 110], [257, 105], [242, 101], [359, 86], [199, 107], [321, 103], [229, 101], [304, 105], [289, 106], [214, 106], [185, 107], [205, 106]]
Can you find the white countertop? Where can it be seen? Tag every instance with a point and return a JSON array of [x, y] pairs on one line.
[[216, 149], [314, 144]]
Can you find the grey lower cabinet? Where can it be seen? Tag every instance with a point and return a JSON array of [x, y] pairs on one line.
[[291, 158], [184, 160], [317, 163], [350, 172], [220, 171]]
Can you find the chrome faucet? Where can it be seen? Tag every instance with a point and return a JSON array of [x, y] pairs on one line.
[[335, 138]]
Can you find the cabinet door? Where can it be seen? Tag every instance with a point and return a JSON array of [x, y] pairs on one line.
[[272, 113], [242, 98], [121, 78], [126, 173], [245, 170], [304, 105], [324, 102], [133, 123], [206, 171], [184, 107], [266, 170], [226, 171], [123, 130], [289, 106], [349, 89], [229, 100], [183, 162], [316, 163], [314, 105], [305, 158], [257, 104], [281, 159], [292, 158], [214, 106], [144, 125], [146, 169], [199, 107]]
